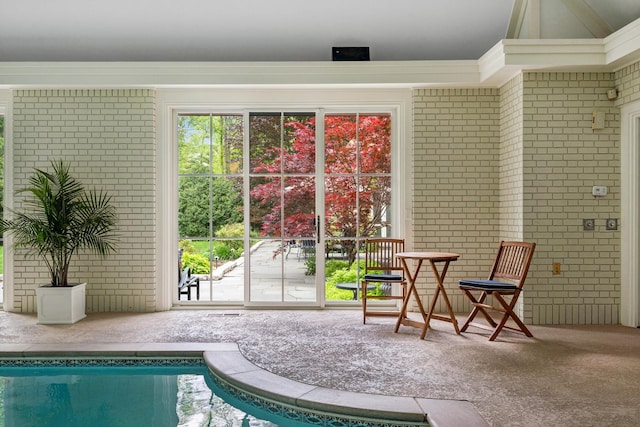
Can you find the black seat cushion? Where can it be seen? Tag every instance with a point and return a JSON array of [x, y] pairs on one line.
[[487, 285], [383, 278]]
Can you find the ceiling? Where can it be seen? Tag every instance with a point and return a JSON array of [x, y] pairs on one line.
[[287, 30]]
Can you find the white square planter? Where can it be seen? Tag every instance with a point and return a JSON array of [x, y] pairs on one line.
[[61, 305]]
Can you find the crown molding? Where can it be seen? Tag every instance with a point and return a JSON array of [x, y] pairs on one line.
[[506, 59], [255, 74], [623, 46]]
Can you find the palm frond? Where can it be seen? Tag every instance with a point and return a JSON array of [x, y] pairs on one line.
[[63, 219]]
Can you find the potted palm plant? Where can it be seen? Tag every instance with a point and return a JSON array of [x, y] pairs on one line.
[[61, 217]]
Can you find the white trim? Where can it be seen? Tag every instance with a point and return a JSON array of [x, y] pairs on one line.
[[166, 202], [623, 46], [320, 208], [6, 103], [630, 216]]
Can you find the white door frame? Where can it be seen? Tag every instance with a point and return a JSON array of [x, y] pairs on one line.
[[630, 215], [171, 100]]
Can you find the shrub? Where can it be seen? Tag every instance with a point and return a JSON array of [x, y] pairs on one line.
[[337, 272], [198, 263], [334, 294], [231, 230], [332, 266], [187, 246], [225, 250], [310, 264]]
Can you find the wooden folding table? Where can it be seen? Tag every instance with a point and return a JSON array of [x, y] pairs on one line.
[[434, 258]]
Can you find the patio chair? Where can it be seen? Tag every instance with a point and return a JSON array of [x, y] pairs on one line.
[[307, 248], [506, 279], [186, 282], [385, 270]]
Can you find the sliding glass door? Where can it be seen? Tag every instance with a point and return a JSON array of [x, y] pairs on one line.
[[274, 206]]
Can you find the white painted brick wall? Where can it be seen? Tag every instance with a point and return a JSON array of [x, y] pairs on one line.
[[519, 163], [455, 201], [511, 192], [108, 136], [563, 159], [628, 84]]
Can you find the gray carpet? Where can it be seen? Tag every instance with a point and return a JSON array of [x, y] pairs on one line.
[[565, 376]]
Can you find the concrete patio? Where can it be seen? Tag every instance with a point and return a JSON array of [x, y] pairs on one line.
[[565, 376]]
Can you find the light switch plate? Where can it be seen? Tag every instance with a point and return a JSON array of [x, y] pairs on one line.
[[588, 224]]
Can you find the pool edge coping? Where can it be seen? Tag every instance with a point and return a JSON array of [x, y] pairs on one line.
[[227, 362]]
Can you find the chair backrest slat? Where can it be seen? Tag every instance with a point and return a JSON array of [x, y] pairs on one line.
[[381, 255], [512, 261]]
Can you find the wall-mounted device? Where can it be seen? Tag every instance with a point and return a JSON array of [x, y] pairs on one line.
[[597, 120], [350, 53], [599, 191], [589, 224]]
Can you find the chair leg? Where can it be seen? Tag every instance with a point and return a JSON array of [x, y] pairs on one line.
[[509, 313], [477, 308], [363, 298]]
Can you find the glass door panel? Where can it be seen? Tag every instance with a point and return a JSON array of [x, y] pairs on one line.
[[357, 196], [2, 204], [210, 204], [282, 207], [374, 136]]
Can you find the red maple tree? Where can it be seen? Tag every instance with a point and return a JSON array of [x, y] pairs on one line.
[[357, 187]]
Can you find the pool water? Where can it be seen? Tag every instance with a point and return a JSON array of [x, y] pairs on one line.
[[115, 396], [141, 392]]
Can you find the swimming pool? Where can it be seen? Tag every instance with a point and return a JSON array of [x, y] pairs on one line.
[[144, 391], [116, 392]]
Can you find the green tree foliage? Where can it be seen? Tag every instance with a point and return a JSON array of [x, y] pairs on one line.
[[194, 207], [210, 159]]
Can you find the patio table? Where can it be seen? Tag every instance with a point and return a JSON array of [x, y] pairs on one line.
[[433, 258], [354, 287]]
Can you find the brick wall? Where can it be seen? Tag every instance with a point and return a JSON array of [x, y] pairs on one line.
[[627, 81], [519, 163], [455, 200], [563, 159], [511, 191], [108, 137], [510, 161]]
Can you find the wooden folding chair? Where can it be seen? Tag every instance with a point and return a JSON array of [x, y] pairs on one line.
[[511, 264], [385, 270]]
